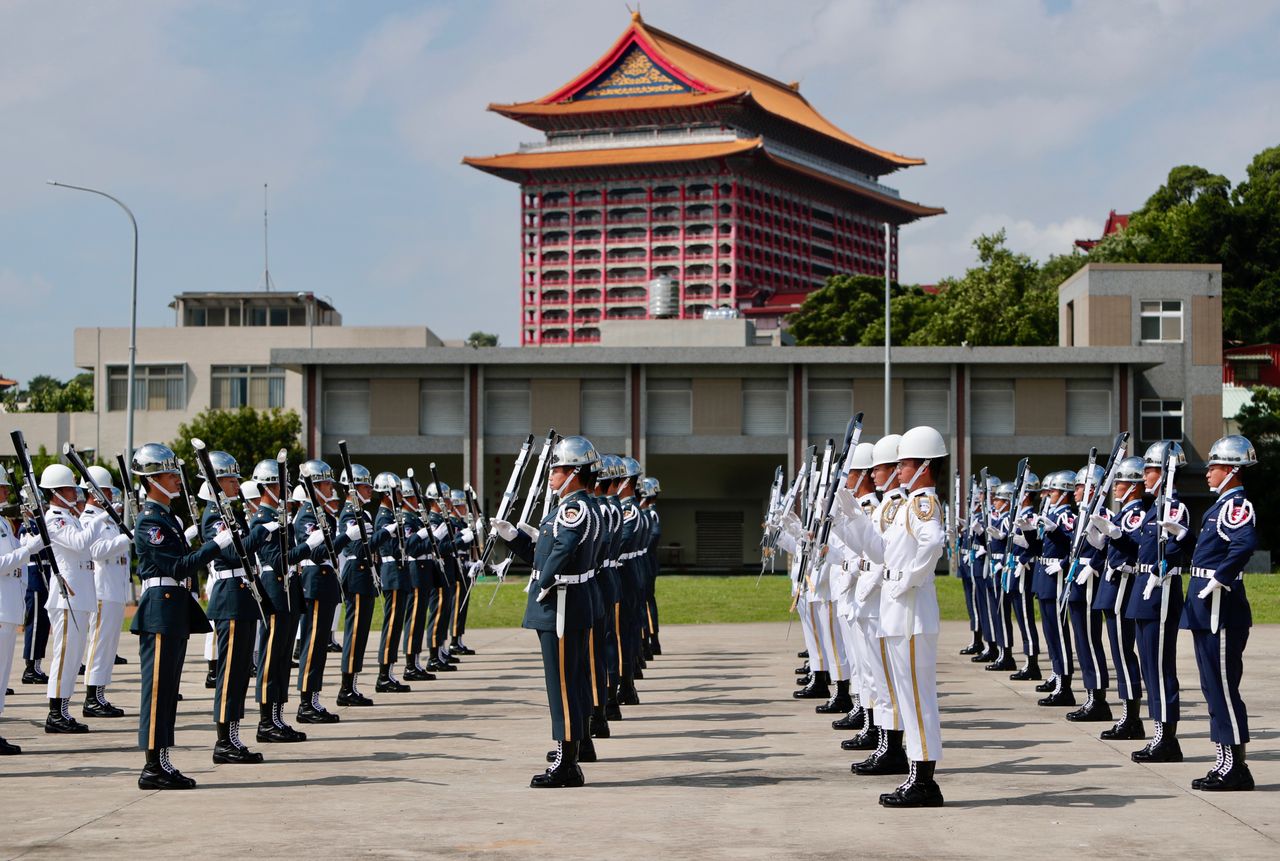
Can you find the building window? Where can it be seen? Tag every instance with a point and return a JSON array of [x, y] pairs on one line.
[[1160, 420], [506, 407], [830, 406], [1161, 321], [604, 408], [257, 386], [764, 407], [991, 405], [670, 408], [440, 408], [155, 387], [1088, 407], [927, 402], [346, 407]]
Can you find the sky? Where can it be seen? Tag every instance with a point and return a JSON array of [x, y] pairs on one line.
[[1038, 116]]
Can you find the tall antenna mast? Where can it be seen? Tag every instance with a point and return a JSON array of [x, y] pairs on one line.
[[266, 258]]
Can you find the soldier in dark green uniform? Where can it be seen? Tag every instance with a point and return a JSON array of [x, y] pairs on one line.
[[440, 610], [281, 583], [421, 579], [359, 591], [468, 569], [167, 613], [560, 605]]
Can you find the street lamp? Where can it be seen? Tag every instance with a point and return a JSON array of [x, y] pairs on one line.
[[133, 317], [888, 338]]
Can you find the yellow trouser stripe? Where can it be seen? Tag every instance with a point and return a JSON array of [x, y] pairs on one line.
[[564, 697], [915, 690], [389, 626], [888, 680], [591, 647], [355, 629], [93, 641], [155, 693], [457, 601], [231, 647], [266, 659], [311, 643], [435, 629], [617, 633]]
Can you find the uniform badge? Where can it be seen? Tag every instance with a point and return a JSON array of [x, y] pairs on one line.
[[570, 515], [155, 535], [1236, 515], [59, 523], [311, 527], [1069, 520], [1133, 520]]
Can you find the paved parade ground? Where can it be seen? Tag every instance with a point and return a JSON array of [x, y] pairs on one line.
[[717, 761]]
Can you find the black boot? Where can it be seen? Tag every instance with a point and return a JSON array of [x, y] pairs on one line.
[[227, 752], [1095, 708], [33, 675], [868, 739], [564, 770], [888, 758], [975, 645], [1163, 748], [599, 723], [159, 773], [654, 644], [817, 689], [334, 647], [268, 731], [1003, 662], [804, 654], [120, 660], [1232, 774], [855, 720], [647, 651], [7, 749], [1030, 671], [586, 749], [638, 672], [919, 789], [1129, 727], [1062, 694], [348, 695], [805, 680], [59, 719], [389, 684], [415, 672], [803, 669], [310, 710], [211, 677], [841, 702], [627, 694], [96, 704], [460, 648], [986, 656], [297, 651], [291, 734], [1048, 684], [612, 711]]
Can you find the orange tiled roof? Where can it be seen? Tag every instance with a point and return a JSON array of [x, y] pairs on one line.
[[606, 157], [705, 75]]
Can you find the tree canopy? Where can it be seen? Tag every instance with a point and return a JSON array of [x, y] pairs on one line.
[[46, 394], [1260, 421], [246, 434]]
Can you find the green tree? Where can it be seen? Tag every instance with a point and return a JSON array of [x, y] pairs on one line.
[[1260, 421], [246, 434], [46, 394], [482, 339], [848, 311]]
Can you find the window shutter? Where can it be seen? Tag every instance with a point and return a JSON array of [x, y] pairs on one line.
[[1088, 408], [440, 411], [670, 408], [604, 408], [927, 402], [830, 406], [991, 403], [346, 407], [764, 407], [506, 407]]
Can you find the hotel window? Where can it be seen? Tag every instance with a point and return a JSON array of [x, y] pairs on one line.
[[604, 408], [155, 387], [670, 408], [506, 407], [257, 386], [927, 402], [830, 406], [1160, 420], [764, 407], [1088, 407], [440, 409], [346, 407], [991, 404], [1161, 321]]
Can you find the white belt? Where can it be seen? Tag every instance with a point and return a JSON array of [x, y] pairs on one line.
[[228, 574], [389, 559], [573, 579], [158, 581], [1208, 573], [892, 576], [1173, 571], [307, 562]]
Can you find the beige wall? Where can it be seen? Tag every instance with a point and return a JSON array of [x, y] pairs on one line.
[[556, 403], [1206, 424], [1206, 330], [868, 396], [1040, 407], [717, 407], [393, 406], [1110, 321]]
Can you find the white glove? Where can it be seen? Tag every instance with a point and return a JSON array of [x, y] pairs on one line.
[[1094, 537], [390, 529], [979, 551], [190, 533], [898, 588], [1085, 573], [1025, 524], [271, 526], [505, 530], [475, 569], [32, 544], [994, 533], [423, 533], [867, 584], [1019, 570], [222, 539], [1173, 529], [847, 504], [1152, 582], [1049, 524], [441, 532], [353, 531], [315, 539], [530, 531], [467, 535], [1214, 585], [1103, 524], [1053, 568], [1019, 539]]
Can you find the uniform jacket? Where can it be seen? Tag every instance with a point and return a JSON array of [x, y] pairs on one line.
[[1056, 547], [319, 576], [567, 547], [357, 573], [110, 553], [275, 578], [1118, 558], [1228, 537], [13, 568], [163, 552], [1148, 539], [607, 571], [71, 543], [230, 597]]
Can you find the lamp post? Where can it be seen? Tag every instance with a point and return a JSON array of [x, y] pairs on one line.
[[133, 314], [888, 400]]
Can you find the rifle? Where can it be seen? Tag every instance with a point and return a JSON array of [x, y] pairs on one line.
[[766, 544], [1015, 505], [130, 501], [1095, 498], [358, 505], [425, 516], [1171, 467], [984, 513], [971, 510], [192, 510], [852, 433], [282, 518], [817, 498], [954, 508], [540, 473], [37, 501], [322, 521], [235, 525], [73, 458], [509, 495], [478, 523], [448, 521]]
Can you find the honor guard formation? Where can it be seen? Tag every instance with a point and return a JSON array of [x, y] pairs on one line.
[[1105, 552], [279, 564]]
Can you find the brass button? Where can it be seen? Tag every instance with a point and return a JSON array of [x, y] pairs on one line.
[[166, 594]]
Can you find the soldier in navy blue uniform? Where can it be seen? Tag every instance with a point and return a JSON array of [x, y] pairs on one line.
[[396, 584], [603, 639], [283, 586], [321, 590], [35, 619], [631, 582], [440, 607], [1026, 546], [359, 592], [1162, 545], [424, 577], [467, 571], [167, 612], [1086, 620], [1055, 528], [649, 491], [1217, 611], [1115, 585], [560, 607], [999, 533], [964, 571]]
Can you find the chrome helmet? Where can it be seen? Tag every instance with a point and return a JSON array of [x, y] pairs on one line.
[[630, 467], [1130, 470], [224, 465], [434, 493], [316, 470], [1062, 480], [1005, 491], [1232, 450], [1032, 484], [362, 475], [1158, 453], [386, 482], [406, 488], [1098, 475], [574, 451], [153, 459], [267, 472]]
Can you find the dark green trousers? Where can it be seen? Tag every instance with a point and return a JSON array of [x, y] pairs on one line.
[[275, 661], [161, 657], [563, 664], [317, 615], [235, 655]]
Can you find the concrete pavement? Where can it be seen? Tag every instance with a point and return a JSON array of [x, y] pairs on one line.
[[717, 761]]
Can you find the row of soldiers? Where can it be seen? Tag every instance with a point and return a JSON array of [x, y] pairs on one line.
[[1111, 551], [268, 587]]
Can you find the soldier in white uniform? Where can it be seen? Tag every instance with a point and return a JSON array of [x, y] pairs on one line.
[[14, 553], [110, 553], [910, 548], [68, 614], [848, 567]]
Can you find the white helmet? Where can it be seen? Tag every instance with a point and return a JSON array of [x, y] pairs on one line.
[[4, 477], [862, 457], [56, 475], [205, 492], [103, 479], [250, 489], [299, 493], [922, 443], [885, 450]]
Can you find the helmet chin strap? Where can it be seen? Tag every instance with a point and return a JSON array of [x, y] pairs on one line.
[[1125, 497], [916, 477], [1230, 475], [857, 485], [160, 487], [70, 506]]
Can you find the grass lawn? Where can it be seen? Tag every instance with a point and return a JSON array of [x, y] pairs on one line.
[[707, 598]]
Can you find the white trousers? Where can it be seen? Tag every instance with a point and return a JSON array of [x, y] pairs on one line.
[[807, 627], [104, 639], [66, 649], [859, 674], [914, 680], [8, 640], [211, 646], [888, 714], [830, 639]]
